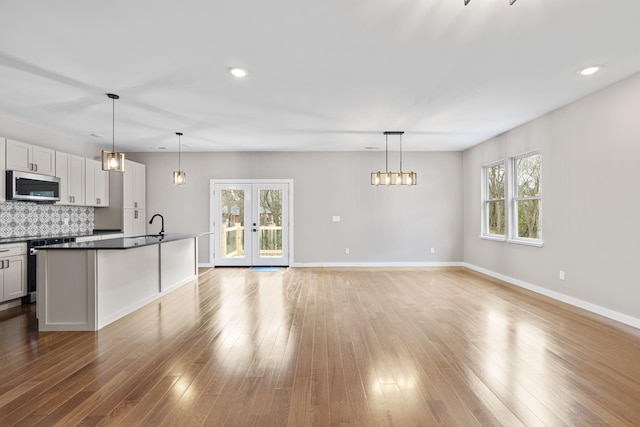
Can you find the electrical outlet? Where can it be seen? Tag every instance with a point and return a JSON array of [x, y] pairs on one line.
[[561, 274], [346, 251], [433, 250], [65, 221]]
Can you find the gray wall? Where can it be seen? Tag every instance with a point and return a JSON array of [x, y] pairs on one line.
[[378, 225], [591, 203]]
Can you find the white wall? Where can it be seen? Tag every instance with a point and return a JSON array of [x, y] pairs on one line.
[[378, 225], [18, 131], [591, 203]]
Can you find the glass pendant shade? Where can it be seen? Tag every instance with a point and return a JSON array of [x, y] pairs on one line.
[[179, 177], [113, 161], [376, 179]]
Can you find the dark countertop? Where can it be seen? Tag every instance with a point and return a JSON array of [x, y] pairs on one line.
[[48, 236], [121, 242]]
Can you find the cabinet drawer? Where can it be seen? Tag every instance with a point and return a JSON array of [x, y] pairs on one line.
[[11, 249]]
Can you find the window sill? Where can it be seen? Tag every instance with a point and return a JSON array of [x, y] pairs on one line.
[[493, 238], [534, 243]]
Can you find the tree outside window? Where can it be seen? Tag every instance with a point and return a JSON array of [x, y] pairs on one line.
[[528, 196], [494, 200]]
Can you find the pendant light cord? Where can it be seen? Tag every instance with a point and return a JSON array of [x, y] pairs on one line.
[[113, 124]]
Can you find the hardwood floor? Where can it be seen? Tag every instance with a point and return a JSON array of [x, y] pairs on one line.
[[327, 347]]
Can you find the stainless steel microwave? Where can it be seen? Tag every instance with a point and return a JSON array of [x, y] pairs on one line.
[[32, 187]]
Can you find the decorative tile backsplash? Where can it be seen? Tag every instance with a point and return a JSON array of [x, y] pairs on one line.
[[19, 219]]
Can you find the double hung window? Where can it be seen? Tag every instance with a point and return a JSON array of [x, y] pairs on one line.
[[494, 218], [512, 200], [527, 198]]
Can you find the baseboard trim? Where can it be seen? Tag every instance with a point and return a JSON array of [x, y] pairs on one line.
[[593, 308], [375, 264]]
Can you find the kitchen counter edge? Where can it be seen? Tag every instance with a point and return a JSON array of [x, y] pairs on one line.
[[121, 242]]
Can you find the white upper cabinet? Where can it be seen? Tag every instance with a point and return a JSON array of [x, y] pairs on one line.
[[71, 171], [134, 181], [96, 184], [30, 158]]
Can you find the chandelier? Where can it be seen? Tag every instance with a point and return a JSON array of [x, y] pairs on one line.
[[389, 178]]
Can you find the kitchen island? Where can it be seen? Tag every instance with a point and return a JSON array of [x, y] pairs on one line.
[[84, 286]]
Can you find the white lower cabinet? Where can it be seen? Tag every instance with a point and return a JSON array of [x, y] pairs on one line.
[[13, 271]]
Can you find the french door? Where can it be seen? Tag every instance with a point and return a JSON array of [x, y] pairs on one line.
[[251, 223]]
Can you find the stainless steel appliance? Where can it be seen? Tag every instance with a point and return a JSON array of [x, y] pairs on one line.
[[31, 263], [32, 187]]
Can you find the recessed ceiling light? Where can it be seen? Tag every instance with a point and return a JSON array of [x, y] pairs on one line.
[[238, 72], [97, 135], [371, 148], [162, 148], [590, 70]]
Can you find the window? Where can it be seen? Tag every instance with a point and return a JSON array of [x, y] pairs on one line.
[[527, 198], [494, 220]]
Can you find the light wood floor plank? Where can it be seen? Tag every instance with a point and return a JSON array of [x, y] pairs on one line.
[[327, 347]]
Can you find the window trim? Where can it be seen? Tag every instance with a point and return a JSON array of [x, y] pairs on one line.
[[484, 220], [514, 199]]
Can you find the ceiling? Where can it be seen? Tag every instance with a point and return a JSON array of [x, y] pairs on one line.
[[326, 75]]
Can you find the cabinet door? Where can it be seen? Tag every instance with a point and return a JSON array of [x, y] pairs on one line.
[[18, 156], [90, 181], [96, 184], [76, 180], [43, 160], [62, 172], [15, 277], [139, 189], [102, 186], [128, 183], [140, 223], [134, 222], [133, 185]]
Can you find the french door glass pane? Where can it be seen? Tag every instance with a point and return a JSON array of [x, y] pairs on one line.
[[232, 228], [270, 209]]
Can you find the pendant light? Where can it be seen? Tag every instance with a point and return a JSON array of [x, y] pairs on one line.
[[398, 178], [179, 176], [112, 160]]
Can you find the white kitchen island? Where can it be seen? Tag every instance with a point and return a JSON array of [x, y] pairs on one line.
[[85, 286]]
